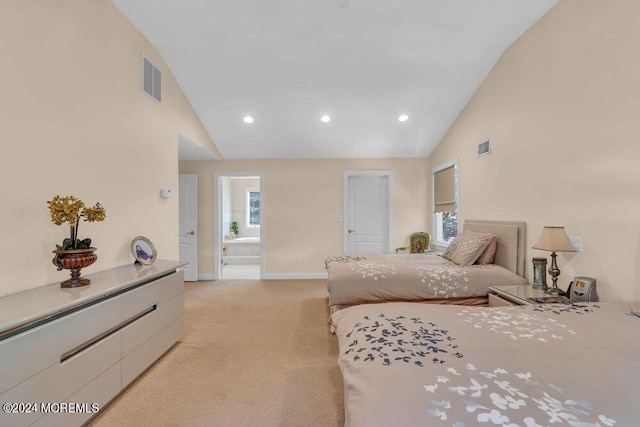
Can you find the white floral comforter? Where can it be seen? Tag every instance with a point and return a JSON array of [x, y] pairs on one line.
[[354, 280], [407, 364]]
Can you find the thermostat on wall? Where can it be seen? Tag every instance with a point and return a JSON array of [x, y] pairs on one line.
[[165, 193]]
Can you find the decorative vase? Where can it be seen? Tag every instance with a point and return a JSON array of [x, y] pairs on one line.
[[74, 260]]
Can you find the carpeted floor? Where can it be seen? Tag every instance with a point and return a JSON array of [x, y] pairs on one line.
[[254, 353]]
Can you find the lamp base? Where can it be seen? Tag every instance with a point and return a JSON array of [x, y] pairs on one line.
[[555, 291]]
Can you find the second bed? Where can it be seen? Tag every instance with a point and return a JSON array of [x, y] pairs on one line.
[[430, 278]]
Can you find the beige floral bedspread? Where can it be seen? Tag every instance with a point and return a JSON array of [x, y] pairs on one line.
[[442, 365], [354, 279]]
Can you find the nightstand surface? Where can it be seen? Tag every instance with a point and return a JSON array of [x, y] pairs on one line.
[[520, 294]]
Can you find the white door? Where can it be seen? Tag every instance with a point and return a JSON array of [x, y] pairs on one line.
[[188, 195], [367, 227]]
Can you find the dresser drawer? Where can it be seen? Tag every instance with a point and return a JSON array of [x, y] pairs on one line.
[[100, 390], [157, 292], [31, 352], [144, 328], [60, 381], [143, 356]]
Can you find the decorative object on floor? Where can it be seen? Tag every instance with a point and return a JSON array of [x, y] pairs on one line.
[[74, 254], [420, 242], [554, 239], [540, 273], [143, 250]]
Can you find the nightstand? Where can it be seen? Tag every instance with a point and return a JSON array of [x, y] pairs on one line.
[[521, 295]]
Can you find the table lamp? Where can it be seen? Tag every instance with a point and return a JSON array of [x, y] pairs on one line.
[[554, 239]]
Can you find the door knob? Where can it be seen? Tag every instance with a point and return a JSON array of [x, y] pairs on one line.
[[191, 233], [351, 231]]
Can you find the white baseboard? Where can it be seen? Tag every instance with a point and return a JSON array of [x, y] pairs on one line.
[[277, 276], [294, 276]]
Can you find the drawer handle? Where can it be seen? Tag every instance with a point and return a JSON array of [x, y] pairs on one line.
[[85, 345]]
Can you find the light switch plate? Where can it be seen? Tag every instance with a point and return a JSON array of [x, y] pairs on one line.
[[576, 242]]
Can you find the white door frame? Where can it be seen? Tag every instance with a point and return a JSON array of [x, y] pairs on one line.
[[217, 214], [345, 204]]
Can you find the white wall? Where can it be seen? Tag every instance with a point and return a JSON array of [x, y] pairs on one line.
[[74, 121], [562, 111]]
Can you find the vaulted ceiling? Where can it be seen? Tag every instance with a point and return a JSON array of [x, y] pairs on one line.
[[363, 63]]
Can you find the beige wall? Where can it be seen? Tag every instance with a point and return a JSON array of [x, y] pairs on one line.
[[74, 121], [301, 202], [562, 111]]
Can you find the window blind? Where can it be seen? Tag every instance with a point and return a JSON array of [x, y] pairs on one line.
[[444, 190]]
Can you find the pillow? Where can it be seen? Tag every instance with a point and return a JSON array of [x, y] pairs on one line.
[[467, 247], [489, 254]]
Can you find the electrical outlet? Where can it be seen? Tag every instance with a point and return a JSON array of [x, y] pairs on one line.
[[296, 261], [576, 242]]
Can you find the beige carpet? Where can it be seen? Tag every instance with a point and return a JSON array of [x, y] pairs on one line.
[[254, 353]]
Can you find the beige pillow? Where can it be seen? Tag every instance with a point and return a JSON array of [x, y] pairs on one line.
[[467, 247], [489, 254]]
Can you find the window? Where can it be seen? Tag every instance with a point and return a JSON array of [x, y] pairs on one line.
[[445, 202], [253, 208]]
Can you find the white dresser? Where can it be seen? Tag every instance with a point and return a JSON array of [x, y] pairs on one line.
[[66, 353]]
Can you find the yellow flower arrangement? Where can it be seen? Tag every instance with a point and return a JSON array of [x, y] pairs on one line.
[[70, 209]]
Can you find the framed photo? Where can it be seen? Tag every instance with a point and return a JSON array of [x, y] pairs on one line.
[[143, 250]]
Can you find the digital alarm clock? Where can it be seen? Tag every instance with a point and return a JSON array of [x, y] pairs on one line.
[[582, 289]]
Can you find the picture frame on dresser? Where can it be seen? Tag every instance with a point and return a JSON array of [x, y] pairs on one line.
[[143, 250]]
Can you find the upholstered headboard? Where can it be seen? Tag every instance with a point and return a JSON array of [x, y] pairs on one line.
[[510, 238]]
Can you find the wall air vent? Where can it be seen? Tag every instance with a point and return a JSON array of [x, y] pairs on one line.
[[151, 80], [484, 148]]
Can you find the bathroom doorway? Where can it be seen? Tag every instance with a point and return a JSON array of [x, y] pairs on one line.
[[239, 245]]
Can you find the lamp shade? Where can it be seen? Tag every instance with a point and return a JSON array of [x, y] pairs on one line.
[[554, 239]]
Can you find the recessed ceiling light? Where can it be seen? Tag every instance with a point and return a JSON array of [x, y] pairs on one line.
[[248, 119], [325, 119], [403, 118]]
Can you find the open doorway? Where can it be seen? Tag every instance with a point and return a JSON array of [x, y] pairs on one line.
[[239, 245]]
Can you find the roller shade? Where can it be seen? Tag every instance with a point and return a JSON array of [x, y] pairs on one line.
[[444, 190]]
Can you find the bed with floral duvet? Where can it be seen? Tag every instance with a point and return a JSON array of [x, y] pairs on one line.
[[412, 364], [486, 253]]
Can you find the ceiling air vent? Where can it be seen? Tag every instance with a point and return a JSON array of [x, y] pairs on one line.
[[484, 148], [151, 80]]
